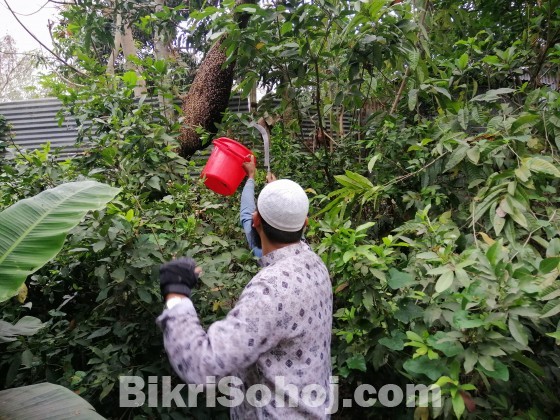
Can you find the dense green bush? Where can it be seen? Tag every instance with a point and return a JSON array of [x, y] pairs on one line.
[[100, 296], [465, 293]]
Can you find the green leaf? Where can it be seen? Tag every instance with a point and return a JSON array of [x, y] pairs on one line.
[[399, 279], [145, 295], [119, 274], [445, 281], [99, 332], [129, 215], [443, 91], [471, 357], [474, 154], [463, 61], [99, 245], [494, 252], [413, 58], [456, 157], [550, 309], [500, 371], [433, 369], [555, 335], [412, 99], [357, 362], [285, 28], [432, 314], [553, 248], [440, 270], [444, 380], [549, 264], [491, 59], [372, 162], [33, 230], [518, 331], [498, 224], [486, 362], [461, 320], [486, 203], [523, 173], [368, 300], [524, 119], [106, 390], [536, 164], [359, 180], [530, 363], [458, 405], [411, 335], [393, 343], [409, 312], [445, 343], [154, 183], [430, 255], [33, 402], [493, 95], [489, 349], [27, 358], [519, 218], [130, 78]]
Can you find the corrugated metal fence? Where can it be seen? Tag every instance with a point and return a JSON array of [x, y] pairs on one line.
[[35, 122]]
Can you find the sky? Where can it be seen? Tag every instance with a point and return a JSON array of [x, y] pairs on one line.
[[34, 14]]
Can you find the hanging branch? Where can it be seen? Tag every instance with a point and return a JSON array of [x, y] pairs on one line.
[[63, 61]]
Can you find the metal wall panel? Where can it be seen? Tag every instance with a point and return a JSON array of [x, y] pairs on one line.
[[35, 122]]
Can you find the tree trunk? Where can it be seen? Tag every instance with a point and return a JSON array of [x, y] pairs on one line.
[[208, 96], [125, 40], [162, 52]]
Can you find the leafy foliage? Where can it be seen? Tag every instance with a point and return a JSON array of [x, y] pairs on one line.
[[433, 170]]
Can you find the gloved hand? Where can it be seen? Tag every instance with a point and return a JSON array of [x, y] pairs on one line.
[[178, 276]]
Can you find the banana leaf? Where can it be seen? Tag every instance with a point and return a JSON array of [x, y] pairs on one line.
[[33, 230], [28, 325], [44, 402]]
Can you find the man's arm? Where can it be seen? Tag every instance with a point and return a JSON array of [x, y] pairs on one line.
[[249, 330], [248, 207]]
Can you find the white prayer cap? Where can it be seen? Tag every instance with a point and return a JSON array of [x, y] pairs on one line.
[[283, 205]]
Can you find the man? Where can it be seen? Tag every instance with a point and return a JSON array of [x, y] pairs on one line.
[[278, 335]]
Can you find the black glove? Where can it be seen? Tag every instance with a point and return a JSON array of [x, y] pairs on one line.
[[178, 276]]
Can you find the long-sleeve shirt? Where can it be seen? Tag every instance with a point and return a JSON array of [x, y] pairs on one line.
[[248, 207], [280, 327]]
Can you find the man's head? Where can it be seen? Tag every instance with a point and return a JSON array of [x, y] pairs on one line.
[[282, 209]]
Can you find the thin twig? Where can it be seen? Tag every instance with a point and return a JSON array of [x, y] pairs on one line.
[[546, 137], [40, 43], [18, 53], [399, 92], [531, 234], [402, 178]]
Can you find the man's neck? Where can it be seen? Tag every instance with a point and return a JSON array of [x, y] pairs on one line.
[[268, 247]]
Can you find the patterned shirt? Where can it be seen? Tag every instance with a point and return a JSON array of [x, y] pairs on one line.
[[277, 335]]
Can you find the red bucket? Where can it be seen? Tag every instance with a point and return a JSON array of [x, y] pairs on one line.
[[223, 171]]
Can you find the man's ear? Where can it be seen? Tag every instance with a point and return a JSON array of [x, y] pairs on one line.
[[256, 219], [306, 222]]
